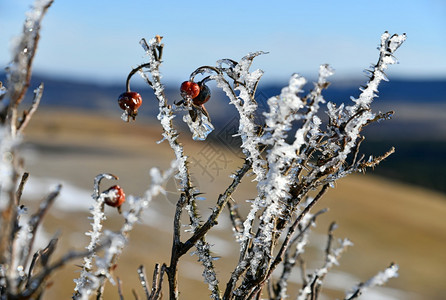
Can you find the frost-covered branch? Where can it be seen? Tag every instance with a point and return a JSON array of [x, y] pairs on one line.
[[35, 284], [17, 237], [290, 171], [98, 215], [187, 199], [311, 289], [315, 157], [26, 233], [241, 94], [246, 105], [18, 76], [379, 279], [19, 70], [27, 114], [222, 200], [314, 283], [96, 273], [389, 44], [293, 254]]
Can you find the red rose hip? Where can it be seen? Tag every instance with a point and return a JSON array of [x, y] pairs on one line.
[[189, 89], [130, 102], [203, 96], [114, 197]]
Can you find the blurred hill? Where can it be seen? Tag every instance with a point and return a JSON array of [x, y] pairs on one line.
[[386, 221], [417, 130]]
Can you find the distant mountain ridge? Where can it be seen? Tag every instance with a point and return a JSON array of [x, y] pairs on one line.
[[418, 130], [403, 96], [420, 95], [76, 93], [401, 90]]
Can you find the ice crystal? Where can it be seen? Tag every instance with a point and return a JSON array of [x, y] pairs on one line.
[[201, 128], [125, 116]]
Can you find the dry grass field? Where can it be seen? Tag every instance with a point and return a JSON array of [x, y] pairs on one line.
[[386, 221]]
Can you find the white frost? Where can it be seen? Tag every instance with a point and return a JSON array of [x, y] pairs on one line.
[[201, 128]]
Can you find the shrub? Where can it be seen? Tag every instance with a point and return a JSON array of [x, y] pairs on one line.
[[292, 171]]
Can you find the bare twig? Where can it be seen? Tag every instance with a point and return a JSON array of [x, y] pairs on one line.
[[373, 162], [36, 281], [290, 259], [236, 219], [42, 256], [121, 296], [158, 274], [135, 294], [133, 72], [316, 287], [27, 114], [303, 270], [143, 280], [221, 202], [24, 250], [97, 182], [24, 56]]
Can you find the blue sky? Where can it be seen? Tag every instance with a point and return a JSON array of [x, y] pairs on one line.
[[99, 40]]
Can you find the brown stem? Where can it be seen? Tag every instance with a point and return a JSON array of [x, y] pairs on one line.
[[221, 202], [202, 70], [158, 274], [172, 269], [121, 296], [143, 280], [36, 281], [27, 115], [133, 72], [97, 182], [19, 192]]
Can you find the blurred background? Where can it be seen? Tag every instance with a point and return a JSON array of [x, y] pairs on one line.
[[87, 49]]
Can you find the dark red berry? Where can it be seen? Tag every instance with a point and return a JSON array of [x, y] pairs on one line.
[[203, 96], [114, 196], [130, 102], [189, 89]]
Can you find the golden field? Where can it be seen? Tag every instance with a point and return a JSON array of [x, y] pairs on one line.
[[386, 221]]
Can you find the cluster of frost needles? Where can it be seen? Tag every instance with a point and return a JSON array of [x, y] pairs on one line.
[[293, 169]]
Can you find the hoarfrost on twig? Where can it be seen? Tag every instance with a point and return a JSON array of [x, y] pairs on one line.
[[379, 279]]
